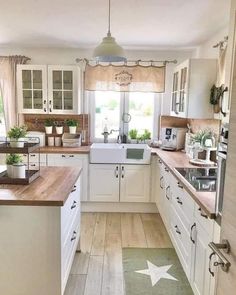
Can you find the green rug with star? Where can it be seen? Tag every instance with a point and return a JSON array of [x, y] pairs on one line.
[[154, 272]]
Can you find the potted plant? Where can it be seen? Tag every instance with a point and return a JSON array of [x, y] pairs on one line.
[[59, 127], [17, 135], [48, 123], [12, 159], [133, 135], [146, 136], [72, 124]]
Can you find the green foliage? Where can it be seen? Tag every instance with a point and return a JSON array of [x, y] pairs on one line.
[[145, 136], [58, 123], [13, 159], [202, 135], [49, 122], [71, 122], [133, 133], [17, 132]]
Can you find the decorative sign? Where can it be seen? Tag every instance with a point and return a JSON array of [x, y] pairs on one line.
[[124, 78]]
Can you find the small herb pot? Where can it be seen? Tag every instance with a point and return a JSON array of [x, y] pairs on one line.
[[72, 129], [17, 142], [48, 129], [18, 170], [59, 129]]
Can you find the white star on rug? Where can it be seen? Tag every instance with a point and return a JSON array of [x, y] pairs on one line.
[[156, 273]]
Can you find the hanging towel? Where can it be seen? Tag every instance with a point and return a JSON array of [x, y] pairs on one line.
[[136, 154]]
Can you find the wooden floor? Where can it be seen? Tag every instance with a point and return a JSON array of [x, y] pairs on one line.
[[97, 270]]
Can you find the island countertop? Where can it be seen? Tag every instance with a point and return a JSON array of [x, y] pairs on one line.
[[205, 200], [51, 188]]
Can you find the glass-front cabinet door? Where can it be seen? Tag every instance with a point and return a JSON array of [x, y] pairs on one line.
[[63, 89], [32, 88]]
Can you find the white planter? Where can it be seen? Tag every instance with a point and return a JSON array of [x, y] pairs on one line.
[[18, 171], [133, 141], [9, 170], [17, 143], [48, 129], [59, 129], [72, 129]]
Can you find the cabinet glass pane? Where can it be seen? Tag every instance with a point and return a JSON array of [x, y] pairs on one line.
[[37, 79], [26, 79], [67, 80], [27, 99], [57, 100], [57, 79], [38, 99], [68, 100]]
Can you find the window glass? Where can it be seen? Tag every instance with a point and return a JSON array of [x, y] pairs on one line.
[[141, 109], [107, 112], [2, 119]]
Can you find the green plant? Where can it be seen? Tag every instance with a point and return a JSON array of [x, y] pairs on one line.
[[71, 122], [147, 134], [49, 122], [17, 132], [13, 159], [202, 135], [133, 133], [58, 123]]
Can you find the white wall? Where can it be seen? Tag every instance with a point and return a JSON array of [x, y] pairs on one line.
[[68, 56]]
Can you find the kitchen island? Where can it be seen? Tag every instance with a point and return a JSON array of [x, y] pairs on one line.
[[39, 230]]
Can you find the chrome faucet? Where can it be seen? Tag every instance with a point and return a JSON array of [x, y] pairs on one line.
[[106, 135]]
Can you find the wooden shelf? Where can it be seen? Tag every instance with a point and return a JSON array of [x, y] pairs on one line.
[[31, 175], [5, 148]]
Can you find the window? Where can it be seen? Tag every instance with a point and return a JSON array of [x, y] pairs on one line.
[[2, 120], [107, 109]]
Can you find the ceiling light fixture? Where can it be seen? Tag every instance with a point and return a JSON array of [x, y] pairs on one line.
[[108, 50]]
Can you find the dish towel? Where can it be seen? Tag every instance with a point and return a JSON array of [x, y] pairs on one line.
[[136, 154]]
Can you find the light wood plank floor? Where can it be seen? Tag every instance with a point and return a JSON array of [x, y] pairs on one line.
[[97, 270]]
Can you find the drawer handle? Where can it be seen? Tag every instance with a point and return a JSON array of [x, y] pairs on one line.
[[167, 189], [191, 233], [166, 169], [32, 165], [32, 155], [63, 156], [73, 236], [179, 201], [117, 172], [203, 215], [209, 268], [122, 172], [71, 156], [73, 205], [74, 189], [161, 182], [160, 161], [177, 230], [180, 185]]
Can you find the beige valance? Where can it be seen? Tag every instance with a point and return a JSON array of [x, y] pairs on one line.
[[136, 78]]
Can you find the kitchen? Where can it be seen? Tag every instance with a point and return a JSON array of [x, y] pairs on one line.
[[101, 198]]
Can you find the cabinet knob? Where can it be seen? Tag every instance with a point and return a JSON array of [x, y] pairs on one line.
[[180, 185], [122, 172], [73, 205], [45, 110], [177, 230], [179, 201], [202, 214], [73, 236]]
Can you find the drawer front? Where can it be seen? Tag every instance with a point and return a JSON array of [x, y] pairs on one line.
[[203, 220], [69, 249], [34, 158], [184, 205], [181, 238], [70, 210], [65, 159]]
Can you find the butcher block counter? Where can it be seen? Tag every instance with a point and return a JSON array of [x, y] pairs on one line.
[[51, 188], [65, 150], [205, 200]]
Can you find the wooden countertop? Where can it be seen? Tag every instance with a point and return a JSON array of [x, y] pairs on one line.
[[206, 200], [65, 150], [52, 188]]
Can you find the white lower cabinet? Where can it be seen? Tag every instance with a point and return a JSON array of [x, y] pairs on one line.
[[104, 183], [189, 228], [72, 160], [124, 183]]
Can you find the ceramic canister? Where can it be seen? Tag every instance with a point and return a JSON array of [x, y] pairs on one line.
[[18, 171]]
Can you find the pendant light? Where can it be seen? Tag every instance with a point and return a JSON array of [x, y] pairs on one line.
[[109, 50]]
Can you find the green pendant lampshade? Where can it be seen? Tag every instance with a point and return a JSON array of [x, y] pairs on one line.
[[109, 50]]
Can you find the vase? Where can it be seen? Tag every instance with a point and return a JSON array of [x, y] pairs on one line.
[[48, 129], [17, 142], [9, 170], [59, 129], [72, 129]]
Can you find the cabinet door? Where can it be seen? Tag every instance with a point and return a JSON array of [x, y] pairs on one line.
[[63, 93], [135, 183], [200, 274], [73, 160], [104, 182], [32, 89]]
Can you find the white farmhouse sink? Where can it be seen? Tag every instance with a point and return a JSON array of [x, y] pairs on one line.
[[120, 153]]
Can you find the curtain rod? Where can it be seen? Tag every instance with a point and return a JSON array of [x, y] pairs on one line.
[[137, 62], [4, 56], [221, 43]]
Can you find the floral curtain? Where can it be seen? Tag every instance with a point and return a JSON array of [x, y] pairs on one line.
[[127, 78], [8, 65]]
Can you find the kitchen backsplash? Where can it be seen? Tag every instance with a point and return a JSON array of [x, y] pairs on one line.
[[35, 122]]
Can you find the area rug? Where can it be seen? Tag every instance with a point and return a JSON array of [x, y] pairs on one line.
[[154, 272]]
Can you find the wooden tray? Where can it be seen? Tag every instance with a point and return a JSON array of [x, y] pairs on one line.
[[31, 175]]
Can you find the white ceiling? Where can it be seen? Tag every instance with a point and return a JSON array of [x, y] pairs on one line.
[[135, 23]]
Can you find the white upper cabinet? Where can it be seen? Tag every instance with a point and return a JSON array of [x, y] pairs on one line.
[[192, 82], [54, 89], [32, 88]]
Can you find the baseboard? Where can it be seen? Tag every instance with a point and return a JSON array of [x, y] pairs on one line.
[[118, 207]]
